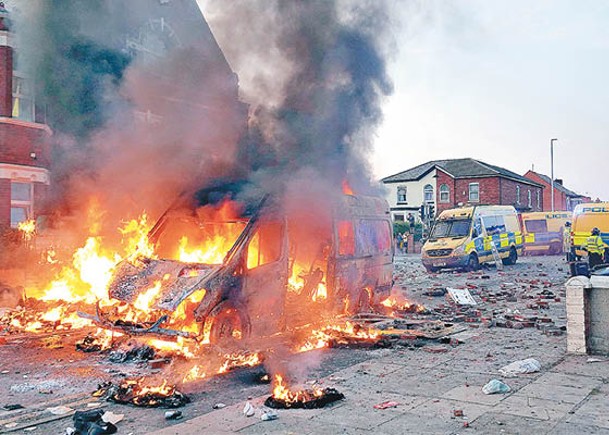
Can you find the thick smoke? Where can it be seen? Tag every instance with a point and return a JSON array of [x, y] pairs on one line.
[[316, 73], [141, 111]]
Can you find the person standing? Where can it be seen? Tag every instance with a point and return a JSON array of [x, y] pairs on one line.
[[411, 222], [595, 247]]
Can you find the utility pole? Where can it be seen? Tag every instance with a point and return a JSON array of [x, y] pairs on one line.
[[552, 171]]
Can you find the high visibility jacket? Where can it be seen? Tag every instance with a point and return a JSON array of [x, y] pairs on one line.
[[595, 245]]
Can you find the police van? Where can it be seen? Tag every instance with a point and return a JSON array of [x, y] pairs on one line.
[[544, 231], [464, 238], [585, 217]]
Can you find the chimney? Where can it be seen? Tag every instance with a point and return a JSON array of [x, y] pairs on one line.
[[6, 65]]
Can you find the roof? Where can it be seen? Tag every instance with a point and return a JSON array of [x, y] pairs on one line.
[[557, 186], [458, 168]]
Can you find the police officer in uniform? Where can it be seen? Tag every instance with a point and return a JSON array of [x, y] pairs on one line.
[[595, 247]]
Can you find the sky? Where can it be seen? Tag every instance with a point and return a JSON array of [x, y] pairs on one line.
[[496, 80]]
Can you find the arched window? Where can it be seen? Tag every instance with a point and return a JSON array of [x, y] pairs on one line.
[[517, 194], [530, 202], [428, 193], [444, 193]]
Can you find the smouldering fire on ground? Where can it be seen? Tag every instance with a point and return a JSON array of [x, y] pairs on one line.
[[82, 284]]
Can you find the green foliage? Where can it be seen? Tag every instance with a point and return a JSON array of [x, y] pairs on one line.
[[404, 227]]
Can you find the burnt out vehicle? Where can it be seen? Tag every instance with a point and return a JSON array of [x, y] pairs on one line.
[[225, 272]]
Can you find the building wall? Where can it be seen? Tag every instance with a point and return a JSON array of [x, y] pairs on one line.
[[494, 191], [560, 198], [25, 147], [414, 195], [489, 190], [444, 178]]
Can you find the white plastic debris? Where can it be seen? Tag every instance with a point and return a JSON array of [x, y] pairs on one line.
[[70, 431], [495, 386], [10, 425], [60, 410], [219, 406], [248, 409], [461, 296], [173, 415], [110, 417], [268, 415], [529, 365]]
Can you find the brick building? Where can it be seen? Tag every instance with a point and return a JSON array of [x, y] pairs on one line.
[[25, 140], [564, 199], [444, 184]]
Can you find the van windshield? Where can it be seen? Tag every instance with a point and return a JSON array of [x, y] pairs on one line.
[[189, 240], [451, 228]]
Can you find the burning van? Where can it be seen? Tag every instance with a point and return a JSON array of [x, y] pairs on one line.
[[226, 271]]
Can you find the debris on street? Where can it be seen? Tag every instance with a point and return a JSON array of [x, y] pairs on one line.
[[529, 365], [495, 386]]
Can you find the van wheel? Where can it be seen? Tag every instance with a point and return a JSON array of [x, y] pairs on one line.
[[228, 326], [555, 249], [431, 269], [512, 258], [473, 263]]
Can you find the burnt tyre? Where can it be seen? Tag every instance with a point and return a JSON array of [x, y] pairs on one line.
[[227, 326], [473, 263], [512, 258]]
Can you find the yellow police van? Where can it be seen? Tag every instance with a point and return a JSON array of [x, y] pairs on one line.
[[544, 231], [464, 238], [585, 217]]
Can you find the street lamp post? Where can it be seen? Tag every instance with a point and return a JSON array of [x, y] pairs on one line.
[[552, 171]]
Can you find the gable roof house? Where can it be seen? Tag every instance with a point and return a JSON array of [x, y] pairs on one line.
[[564, 199], [442, 184]]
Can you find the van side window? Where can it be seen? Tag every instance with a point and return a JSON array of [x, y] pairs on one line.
[[372, 237], [346, 238], [265, 246], [536, 226]]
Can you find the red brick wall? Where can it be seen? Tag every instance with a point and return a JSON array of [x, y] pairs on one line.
[[493, 190], [444, 178], [17, 142], [560, 199], [6, 81], [489, 190], [509, 195]]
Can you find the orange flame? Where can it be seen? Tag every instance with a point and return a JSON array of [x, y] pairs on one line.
[[347, 188], [28, 229]]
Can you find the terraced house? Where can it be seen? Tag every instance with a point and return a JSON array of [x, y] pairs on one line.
[[442, 184]]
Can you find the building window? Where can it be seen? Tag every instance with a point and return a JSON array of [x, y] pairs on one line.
[[517, 194], [474, 192], [444, 193], [21, 202], [539, 199], [401, 194], [23, 99], [428, 193], [398, 217], [529, 200]]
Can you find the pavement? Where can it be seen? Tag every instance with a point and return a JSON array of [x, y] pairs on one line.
[[569, 395], [438, 388]]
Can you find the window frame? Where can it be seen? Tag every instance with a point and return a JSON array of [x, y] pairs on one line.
[[530, 198], [27, 205], [518, 194], [405, 195], [428, 189], [469, 192], [447, 192], [21, 82]]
